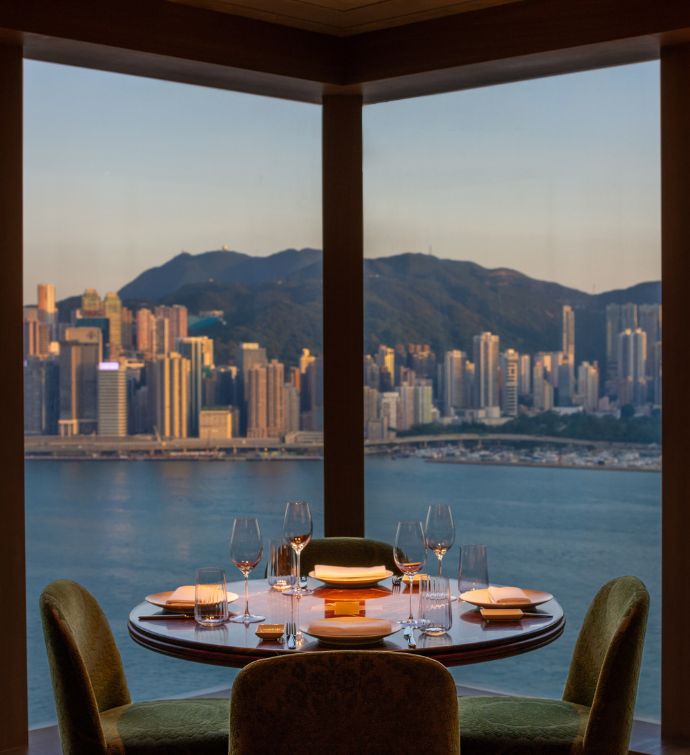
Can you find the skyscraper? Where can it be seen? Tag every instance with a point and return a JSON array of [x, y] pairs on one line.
[[486, 348], [510, 363], [168, 386], [80, 354], [568, 335], [91, 303], [588, 386], [112, 308], [146, 332], [453, 382], [250, 355], [112, 399], [275, 409], [47, 309], [41, 396], [192, 347], [542, 390], [632, 367], [525, 375], [257, 418]]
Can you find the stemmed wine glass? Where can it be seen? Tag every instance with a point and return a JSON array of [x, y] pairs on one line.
[[297, 529], [409, 553], [246, 550], [439, 531]]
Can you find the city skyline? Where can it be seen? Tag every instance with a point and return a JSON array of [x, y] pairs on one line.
[[555, 177]]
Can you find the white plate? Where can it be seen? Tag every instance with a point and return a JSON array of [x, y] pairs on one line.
[[482, 599], [352, 581], [159, 599], [350, 640]]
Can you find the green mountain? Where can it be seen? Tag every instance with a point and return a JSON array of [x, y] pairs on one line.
[[409, 298]]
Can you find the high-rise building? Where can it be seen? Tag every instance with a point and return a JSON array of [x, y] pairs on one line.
[[385, 359], [486, 349], [91, 303], [168, 387], [41, 396], [47, 308], [177, 318], [215, 424], [619, 317], [510, 367], [250, 355], [112, 309], [37, 334], [542, 390], [568, 334], [588, 386], [314, 385], [371, 404], [127, 329], [80, 353], [192, 348], [453, 382], [406, 406], [256, 388], [632, 367], [390, 409], [275, 408], [525, 375], [649, 316], [423, 402], [112, 399], [146, 332], [291, 407]]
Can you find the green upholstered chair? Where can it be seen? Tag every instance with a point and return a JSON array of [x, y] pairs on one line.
[[95, 712], [342, 702], [347, 551], [596, 712]]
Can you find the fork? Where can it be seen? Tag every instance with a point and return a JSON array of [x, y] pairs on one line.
[[291, 634], [397, 581]]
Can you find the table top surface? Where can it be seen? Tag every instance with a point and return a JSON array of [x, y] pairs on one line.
[[470, 639]]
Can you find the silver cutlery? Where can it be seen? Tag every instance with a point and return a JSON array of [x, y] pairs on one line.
[[291, 635], [397, 581], [409, 636]]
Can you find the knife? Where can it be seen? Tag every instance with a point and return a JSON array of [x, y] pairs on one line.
[[409, 636]]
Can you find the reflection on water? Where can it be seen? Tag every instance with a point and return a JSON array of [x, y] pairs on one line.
[[124, 529]]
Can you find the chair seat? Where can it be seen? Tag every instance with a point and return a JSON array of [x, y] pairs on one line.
[[520, 726], [174, 727]]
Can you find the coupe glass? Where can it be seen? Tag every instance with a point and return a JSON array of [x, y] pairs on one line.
[[409, 553], [297, 529], [439, 531], [246, 550]]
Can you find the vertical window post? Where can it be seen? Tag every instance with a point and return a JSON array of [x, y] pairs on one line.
[[675, 265], [13, 685], [343, 315]]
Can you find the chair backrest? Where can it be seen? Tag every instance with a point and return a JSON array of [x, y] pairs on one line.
[[606, 664], [343, 702], [347, 551], [85, 665]]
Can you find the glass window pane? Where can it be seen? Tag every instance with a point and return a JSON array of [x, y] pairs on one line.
[[172, 340], [513, 339]]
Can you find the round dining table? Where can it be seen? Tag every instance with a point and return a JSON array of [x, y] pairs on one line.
[[469, 640]]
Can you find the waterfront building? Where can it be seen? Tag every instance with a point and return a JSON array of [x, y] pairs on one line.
[[510, 361], [291, 406], [192, 348], [215, 424], [390, 409], [632, 367], [275, 409], [406, 406], [168, 382], [41, 396], [250, 355], [453, 382], [37, 334], [371, 404], [112, 399], [486, 392], [80, 353], [257, 420]]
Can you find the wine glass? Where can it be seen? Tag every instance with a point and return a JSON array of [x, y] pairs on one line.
[[439, 531], [246, 550], [297, 529], [409, 554]]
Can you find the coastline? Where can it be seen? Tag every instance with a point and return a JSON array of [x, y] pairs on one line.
[[547, 465]]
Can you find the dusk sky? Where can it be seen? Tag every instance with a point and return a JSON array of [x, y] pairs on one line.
[[557, 178]]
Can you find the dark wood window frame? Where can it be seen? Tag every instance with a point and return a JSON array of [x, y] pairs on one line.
[[546, 37]]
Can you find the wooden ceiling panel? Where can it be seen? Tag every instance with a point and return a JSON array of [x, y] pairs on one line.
[[343, 18]]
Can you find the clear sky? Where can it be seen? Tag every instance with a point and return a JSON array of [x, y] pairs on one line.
[[558, 177]]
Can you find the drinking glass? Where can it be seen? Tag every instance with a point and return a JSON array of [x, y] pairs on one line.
[[210, 597], [435, 615], [280, 569], [473, 572], [297, 529], [409, 553], [246, 550], [439, 530]]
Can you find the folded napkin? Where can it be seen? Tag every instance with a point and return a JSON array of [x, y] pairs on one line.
[[185, 595], [325, 573], [508, 595], [349, 626]]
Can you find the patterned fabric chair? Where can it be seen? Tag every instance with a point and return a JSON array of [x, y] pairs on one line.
[[347, 551], [595, 715], [95, 712], [344, 702]]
